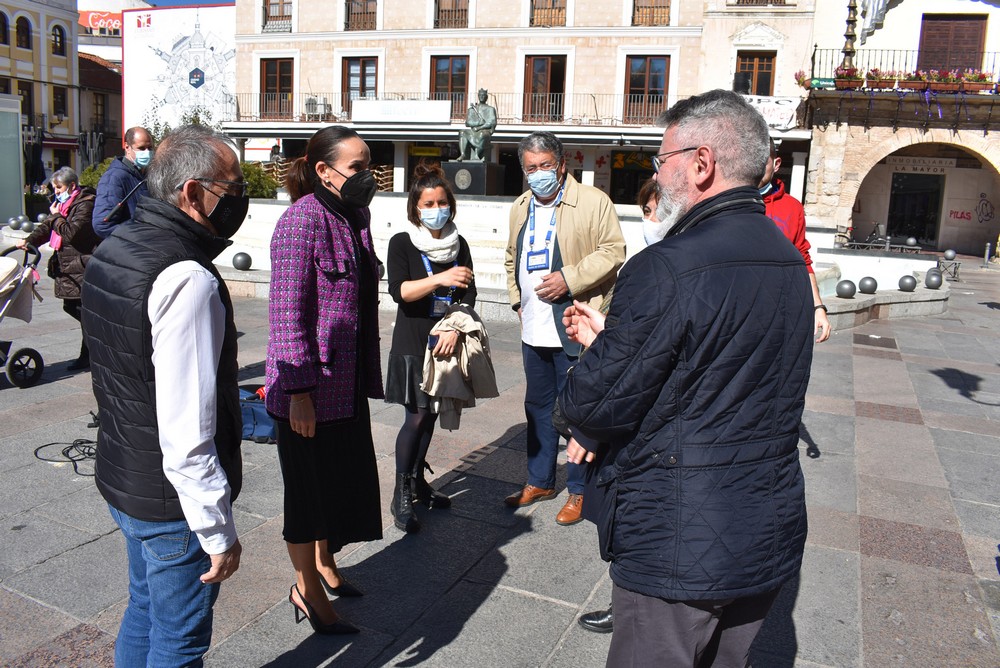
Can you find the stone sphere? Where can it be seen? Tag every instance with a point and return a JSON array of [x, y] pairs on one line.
[[867, 285], [13, 223], [911, 241], [949, 254], [27, 226], [838, 244], [42, 216], [22, 218], [907, 283], [846, 289], [933, 280], [242, 261]]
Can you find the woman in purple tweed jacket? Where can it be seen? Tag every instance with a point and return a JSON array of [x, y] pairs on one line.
[[323, 366]]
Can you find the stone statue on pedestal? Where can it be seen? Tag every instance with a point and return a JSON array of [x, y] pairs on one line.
[[474, 142]]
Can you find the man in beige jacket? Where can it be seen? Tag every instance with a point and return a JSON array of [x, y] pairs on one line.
[[565, 244]]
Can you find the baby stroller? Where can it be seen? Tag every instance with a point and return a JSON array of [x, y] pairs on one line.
[[17, 287]]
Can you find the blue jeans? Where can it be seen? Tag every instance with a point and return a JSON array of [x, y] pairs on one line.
[[545, 375], [168, 621]]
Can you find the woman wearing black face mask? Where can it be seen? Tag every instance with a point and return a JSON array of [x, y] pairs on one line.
[[323, 366]]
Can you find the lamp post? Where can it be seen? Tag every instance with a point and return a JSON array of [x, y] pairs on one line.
[[849, 34]]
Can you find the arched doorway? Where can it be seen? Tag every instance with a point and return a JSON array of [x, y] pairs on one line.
[[943, 195]]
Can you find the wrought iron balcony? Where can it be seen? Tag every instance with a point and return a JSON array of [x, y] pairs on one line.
[[897, 64], [512, 108]]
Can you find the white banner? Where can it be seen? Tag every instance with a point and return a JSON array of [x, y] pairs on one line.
[[178, 62]]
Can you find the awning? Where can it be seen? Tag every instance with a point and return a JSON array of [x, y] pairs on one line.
[[60, 142]]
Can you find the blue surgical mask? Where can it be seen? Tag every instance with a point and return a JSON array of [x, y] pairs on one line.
[[435, 219], [766, 189], [142, 158], [62, 197], [544, 182]]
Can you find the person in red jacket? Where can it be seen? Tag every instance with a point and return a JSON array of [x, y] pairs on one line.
[[788, 214]]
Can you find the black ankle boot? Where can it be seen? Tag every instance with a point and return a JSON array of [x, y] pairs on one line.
[[81, 362], [424, 493], [402, 504]]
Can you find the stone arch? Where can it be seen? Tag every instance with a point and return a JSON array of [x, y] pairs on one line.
[[865, 150]]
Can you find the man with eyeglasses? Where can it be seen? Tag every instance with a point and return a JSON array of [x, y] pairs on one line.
[[159, 324], [565, 244], [696, 380]]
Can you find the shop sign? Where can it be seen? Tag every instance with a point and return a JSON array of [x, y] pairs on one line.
[[97, 20], [428, 151], [919, 165]]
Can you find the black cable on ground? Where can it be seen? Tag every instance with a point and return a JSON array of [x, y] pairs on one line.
[[80, 450]]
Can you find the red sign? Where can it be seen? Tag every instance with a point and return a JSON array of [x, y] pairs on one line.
[[97, 20]]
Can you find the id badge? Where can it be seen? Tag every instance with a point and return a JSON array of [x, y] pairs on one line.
[[538, 259], [439, 306]]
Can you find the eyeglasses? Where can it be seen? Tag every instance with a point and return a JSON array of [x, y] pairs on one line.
[[242, 185], [545, 167], [659, 158]]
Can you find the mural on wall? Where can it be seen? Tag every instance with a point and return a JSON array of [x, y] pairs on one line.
[[179, 64]]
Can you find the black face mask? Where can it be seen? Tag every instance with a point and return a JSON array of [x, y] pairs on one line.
[[228, 214], [359, 189]]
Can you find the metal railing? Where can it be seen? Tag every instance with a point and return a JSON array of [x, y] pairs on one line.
[[903, 62], [548, 13], [651, 13], [456, 17], [360, 15], [512, 108], [760, 3]]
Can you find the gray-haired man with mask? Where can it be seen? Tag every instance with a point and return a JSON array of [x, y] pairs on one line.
[[159, 324]]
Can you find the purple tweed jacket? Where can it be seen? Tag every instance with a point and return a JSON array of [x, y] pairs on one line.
[[313, 314]]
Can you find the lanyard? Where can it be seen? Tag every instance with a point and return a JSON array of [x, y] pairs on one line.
[[430, 271], [552, 223]]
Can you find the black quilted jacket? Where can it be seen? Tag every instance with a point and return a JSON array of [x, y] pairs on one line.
[[698, 384]]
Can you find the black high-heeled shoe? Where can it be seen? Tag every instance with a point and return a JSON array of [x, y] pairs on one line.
[[337, 628], [344, 589]]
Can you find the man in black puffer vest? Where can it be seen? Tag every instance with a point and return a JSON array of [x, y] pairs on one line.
[[159, 324], [697, 383]]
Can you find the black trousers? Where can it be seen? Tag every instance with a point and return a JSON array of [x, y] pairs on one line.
[[652, 631]]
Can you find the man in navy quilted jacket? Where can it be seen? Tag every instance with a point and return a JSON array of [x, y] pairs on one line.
[[697, 380]]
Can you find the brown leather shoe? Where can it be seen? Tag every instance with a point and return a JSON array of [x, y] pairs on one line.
[[528, 495], [570, 513]]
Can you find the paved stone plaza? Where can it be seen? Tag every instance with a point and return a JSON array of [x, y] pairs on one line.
[[900, 567]]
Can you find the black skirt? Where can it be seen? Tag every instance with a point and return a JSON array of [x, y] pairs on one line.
[[403, 379], [331, 483]]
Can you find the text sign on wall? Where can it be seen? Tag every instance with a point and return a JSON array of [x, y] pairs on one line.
[[98, 20], [919, 165], [779, 112]]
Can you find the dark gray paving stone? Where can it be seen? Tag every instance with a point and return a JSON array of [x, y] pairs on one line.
[[476, 625], [81, 581], [404, 574], [481, 499], [979, 519], [84, 509], [831, 481], [971, 476], [19, 450], [965, 442], [829, 433], [543, 554], [263, 492], [30, 538], [273, 640]]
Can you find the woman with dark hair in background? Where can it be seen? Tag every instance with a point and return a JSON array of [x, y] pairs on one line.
[[430, 268], [323, 366], [70, 233]]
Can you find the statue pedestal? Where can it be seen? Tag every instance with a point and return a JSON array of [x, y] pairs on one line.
[[471, 177]]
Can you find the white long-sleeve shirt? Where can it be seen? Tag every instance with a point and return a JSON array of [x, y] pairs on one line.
[[188, 323]]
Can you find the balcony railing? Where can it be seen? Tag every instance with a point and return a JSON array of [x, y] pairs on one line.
[[452, 18], [651, 13], [548, 17], [277, 23], [360, 21], [759, 3], [512, 108], [826, 61]]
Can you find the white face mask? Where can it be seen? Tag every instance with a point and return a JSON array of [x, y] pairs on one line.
[[434, 219], [653, 231]]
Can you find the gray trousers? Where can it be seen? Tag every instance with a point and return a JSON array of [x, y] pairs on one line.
[[652, 631]]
